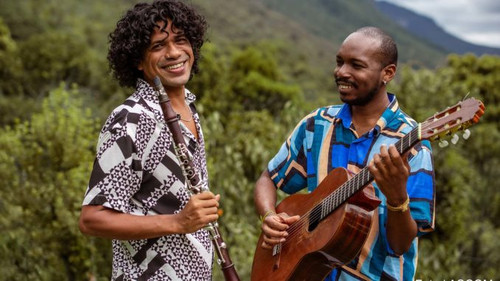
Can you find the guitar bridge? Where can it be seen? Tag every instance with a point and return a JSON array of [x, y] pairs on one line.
[[277, 256], [276, 249]]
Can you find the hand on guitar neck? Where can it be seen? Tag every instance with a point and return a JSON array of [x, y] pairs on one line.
[[390, 171]]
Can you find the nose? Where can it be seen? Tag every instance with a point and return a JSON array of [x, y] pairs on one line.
[[172, 51], [340, 70]]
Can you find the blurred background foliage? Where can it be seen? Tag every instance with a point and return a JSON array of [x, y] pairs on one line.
[[260, 73]]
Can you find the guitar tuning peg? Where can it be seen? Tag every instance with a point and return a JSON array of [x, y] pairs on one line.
[[454, 139], [443, 143], [466, 134]]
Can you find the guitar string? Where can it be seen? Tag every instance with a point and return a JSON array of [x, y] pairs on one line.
[[328, 204], [334, 196], [331, 202], [297, 226]]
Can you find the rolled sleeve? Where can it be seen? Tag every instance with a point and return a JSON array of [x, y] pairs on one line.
[[288, 167], [115, 176]]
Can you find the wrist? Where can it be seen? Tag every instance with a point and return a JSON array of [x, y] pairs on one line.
[[403, 207], [174, 224], [266, 214]]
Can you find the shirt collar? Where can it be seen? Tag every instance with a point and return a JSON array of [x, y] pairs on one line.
[[345, 114]]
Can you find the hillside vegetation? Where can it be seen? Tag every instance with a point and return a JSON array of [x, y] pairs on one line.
[[267, 64]]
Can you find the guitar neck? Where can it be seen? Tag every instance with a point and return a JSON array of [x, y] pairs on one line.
[[363, 178]]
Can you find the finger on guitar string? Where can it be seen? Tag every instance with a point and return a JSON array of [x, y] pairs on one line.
[[269, 242], [290, 219], [274, 228], [276, 221], [398, 159], [376, 167]]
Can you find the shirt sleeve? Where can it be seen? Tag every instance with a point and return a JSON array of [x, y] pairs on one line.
[[421, 187], [115, 175], [288, 167]]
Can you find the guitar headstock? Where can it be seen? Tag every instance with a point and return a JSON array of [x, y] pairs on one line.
[[456, 118]]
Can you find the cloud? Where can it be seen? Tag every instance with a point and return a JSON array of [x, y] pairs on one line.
[[488, 6], [475, 21]]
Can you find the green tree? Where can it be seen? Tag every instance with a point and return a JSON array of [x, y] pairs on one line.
[[52, 57], [256, 82], [247, 110], [45, 164], [467, 196], [10, 64], [13, 104]]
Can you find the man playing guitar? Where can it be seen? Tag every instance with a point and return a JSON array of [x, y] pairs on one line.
[[359, 133]]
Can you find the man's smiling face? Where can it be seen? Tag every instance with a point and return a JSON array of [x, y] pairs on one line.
[[169, 56], [358, 72]]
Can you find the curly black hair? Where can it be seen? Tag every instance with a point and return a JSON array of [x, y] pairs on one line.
[[131, 38]]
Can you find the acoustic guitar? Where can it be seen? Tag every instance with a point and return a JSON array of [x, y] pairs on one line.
[[335, 219]]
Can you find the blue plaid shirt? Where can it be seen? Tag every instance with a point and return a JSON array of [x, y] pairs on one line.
[[326, 139]]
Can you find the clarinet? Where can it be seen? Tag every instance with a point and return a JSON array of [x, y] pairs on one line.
[[193, 179]]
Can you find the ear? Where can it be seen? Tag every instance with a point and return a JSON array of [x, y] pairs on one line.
[[388, 72]]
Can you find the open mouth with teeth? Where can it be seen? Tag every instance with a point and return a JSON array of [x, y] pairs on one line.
[[345, 87], [344, 84], [170, 67]]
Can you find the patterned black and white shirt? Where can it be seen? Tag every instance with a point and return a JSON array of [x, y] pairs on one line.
[[137, 172]]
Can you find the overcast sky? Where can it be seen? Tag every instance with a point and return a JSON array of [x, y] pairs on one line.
[[474, 21]]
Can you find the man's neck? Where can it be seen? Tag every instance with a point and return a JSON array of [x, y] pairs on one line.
[[177, 98], [365, 117], [175, 93]]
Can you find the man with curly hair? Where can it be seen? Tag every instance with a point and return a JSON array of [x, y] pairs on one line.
[[136, 193]]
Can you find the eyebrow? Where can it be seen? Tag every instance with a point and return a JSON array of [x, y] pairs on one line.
[[179, 33], [161, 40]]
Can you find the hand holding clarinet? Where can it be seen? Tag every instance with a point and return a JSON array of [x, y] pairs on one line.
[[200, 211]]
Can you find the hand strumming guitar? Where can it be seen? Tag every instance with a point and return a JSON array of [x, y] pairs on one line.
[[274, 227]]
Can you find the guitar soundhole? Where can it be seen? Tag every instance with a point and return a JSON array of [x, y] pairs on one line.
[[314, 218]]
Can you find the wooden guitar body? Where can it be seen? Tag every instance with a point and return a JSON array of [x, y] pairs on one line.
[[314, 248]]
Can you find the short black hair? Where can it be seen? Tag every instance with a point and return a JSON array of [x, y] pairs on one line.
[[131, 38], [388, 47]]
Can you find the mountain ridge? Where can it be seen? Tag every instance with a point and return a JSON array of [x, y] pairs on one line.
[[427, 29], [308, 34]]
